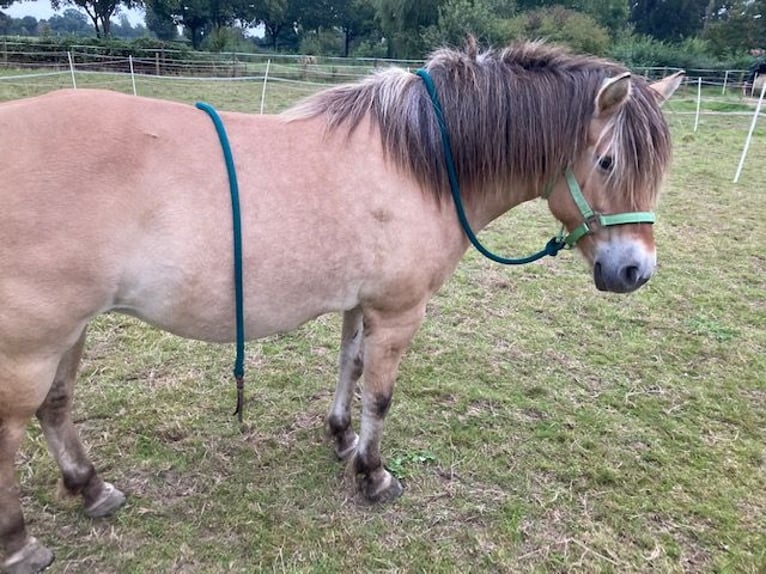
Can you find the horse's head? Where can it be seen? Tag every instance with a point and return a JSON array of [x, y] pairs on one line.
[[606, 199]]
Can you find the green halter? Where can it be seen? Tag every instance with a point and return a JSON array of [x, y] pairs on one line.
[[592, 221]]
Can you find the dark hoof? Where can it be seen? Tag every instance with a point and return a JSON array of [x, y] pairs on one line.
[[33, 558], [384, 490], [110, 500]]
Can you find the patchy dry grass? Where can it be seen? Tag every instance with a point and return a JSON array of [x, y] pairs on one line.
[[537, 426]]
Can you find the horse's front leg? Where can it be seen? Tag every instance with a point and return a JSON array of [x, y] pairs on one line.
[[24, 553], [351, 366], [386, 337], [55, 414]]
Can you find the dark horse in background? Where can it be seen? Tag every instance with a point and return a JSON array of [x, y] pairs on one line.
[[118, 203]]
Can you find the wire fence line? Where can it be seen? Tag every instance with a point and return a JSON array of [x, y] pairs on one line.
[[298, 78], [726, 91]]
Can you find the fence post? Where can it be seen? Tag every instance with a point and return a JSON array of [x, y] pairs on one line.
[[71, 69], [157, 63], [750, 134], [699, 100], [132, 75], [265, 79], [725, 81]]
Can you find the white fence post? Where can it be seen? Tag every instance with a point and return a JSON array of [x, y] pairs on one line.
[[132, 75], [265, 79], [750, 134], [725, 81], [71, 69], [699, 100]]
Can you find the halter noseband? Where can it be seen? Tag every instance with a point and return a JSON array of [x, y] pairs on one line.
[[592, 221]]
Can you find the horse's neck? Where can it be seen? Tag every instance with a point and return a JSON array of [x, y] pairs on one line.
[[485, 206]]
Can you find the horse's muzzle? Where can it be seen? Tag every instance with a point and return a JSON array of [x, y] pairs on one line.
[[622, 267]]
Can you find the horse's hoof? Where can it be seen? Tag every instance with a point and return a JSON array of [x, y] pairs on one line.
[[386, 490], [33, 558], [349, 451], [110, 500]]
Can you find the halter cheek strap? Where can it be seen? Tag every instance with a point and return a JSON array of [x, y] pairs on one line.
[[593, 221]]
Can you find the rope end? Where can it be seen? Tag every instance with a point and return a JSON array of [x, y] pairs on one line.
[[240, 398]]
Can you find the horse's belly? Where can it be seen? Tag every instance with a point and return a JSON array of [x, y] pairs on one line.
[[203, 307]]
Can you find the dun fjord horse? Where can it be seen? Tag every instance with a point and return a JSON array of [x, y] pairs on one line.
[[117, 203]]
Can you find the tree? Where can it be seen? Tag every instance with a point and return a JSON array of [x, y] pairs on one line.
[[71, 22], [733, 26], [278, 17], [161, 25], [612, 14], [402, 22], [578, 31], [198, 17], [671, 20], [99, 11], [460, 18]]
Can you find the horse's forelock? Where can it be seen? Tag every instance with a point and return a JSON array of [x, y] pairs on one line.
[[518, 115], [638, 140]]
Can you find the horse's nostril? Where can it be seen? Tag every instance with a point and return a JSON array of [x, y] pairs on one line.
[[631, 274]]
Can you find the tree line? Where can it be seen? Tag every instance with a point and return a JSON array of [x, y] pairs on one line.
[[642, 32]]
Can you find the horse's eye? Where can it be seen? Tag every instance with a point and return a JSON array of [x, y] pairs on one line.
[[605, 162]]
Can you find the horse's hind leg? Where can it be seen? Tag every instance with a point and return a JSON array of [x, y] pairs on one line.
[[79, 476], [25, 555], [386, 337], [351, 366]]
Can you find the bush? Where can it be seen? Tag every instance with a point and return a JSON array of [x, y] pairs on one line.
[[323, 43], [557, 24]]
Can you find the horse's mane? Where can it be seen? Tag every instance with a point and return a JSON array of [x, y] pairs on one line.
[[519, 114]]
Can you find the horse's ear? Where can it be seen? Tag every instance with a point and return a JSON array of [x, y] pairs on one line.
[[664, 88], [471, 46], [613, 94]]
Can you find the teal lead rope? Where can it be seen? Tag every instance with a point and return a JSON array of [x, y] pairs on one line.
[[553, 246], [239, 362]]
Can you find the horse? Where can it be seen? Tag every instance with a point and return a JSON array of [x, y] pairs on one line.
[[116, 203]]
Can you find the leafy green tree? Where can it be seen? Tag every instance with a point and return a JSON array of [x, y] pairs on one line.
[[402, 22], [671, 20], [125, 30], [355, 19], [161, 25], [26, 26], [612, 14], [99, 11], [71, 22], [557, 24], [198, 17], [460, 18], [279, 19], [735, 26]]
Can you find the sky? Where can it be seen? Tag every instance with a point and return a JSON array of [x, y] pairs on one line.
[[41, 9]]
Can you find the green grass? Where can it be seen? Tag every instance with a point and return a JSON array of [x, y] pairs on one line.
[[538, 425]]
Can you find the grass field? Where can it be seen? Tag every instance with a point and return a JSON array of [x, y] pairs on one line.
[[538, 425]]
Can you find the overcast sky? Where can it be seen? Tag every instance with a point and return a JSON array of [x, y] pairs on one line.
[[41, 9]]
